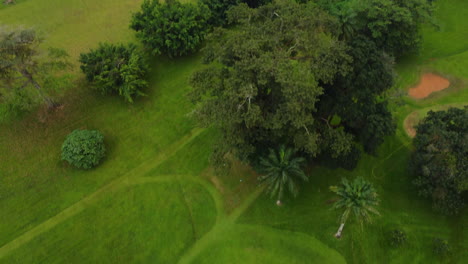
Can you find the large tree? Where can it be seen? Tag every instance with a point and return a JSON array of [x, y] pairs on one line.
[[171, 28], [440, 159], [116, 68], [26, 74], [263, 82]]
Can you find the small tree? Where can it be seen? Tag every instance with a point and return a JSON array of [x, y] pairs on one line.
[[171, 28], [115, 68], [357, 197], [84, 148], [281, 170], [25, 72]]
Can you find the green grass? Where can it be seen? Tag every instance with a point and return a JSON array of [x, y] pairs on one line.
[[260, 244], [126, 228], [152, 199]]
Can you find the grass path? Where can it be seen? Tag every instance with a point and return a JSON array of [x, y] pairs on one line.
[[220, 227], [112, 186]]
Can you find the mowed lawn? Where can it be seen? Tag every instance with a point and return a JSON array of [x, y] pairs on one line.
[[150, 201]]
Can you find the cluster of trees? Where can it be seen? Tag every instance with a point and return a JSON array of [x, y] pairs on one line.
[[311, 75], [440, 159]]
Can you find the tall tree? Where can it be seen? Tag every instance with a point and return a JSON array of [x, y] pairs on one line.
[[171, 28], [281, 170], [440, 159], [262, 85], [22, 67], [357, 197]]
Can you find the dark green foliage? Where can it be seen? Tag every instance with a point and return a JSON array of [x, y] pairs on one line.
[[280, 171], [346, 161], [171, 28], [397, 238], [392, 24], [262, 85], [441, 247], [27, 77], [440, 159], [116, 68], [219, 10], [256, 3], [84, 149], [358, 98], [357, 197]]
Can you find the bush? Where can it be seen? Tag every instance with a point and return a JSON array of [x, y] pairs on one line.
[[441, 247], [397, 238], [84, 148], [171, 28], [115, 68]]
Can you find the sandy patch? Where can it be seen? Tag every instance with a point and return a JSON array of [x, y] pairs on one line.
[[410, 124], [429, 83], [413, 119]]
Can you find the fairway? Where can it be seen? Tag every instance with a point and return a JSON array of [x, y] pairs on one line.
[[156, 199]]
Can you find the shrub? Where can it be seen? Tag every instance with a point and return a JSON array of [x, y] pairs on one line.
[[397, 238], [115, 68], [171, 28], [84, 148], [441, 247]]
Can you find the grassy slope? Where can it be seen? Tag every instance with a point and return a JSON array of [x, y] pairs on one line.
[[129, 226], [34, 184]]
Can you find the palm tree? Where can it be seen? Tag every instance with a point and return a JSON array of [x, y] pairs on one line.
[[357, 197], [281, 170]]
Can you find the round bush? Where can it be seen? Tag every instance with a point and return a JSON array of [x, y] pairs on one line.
[[441, 247], [397, 238], [84, 149]]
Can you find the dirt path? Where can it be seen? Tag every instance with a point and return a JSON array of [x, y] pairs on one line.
[[110, 187], [428, 84]]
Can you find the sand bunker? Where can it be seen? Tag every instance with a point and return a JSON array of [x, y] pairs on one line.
[[429, 83], [410, 123]]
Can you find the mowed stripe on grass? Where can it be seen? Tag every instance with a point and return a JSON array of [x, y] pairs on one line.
[[112, 186]]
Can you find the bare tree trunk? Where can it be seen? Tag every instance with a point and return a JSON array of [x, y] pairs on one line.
[[340, 230], [49, 101]]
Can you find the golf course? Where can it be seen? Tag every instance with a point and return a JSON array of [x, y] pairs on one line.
[[157, 198]]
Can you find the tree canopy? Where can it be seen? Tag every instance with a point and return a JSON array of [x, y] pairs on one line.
[[116, 68], [440, 159], [27, 76], [393, 25], [171, 28], [282, 75]]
